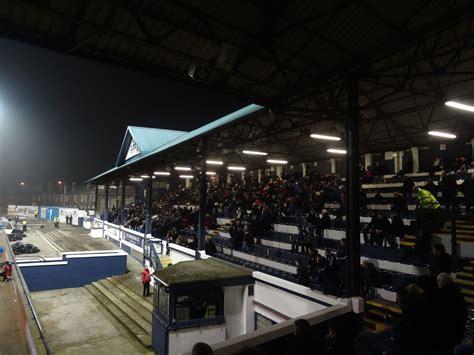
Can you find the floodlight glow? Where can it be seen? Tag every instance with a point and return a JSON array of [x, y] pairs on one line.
[[210, 173], [135, 179], [60, 182], [336, 151], [214, 162], [183, 168], [325, 137], [276, 161], [459, 106], [442, 134], [163, 173], [254, 152], [145, 176], [22, 183], [237, 168], [186, 176]]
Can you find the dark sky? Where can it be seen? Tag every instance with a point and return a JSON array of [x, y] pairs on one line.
[[65, 117]]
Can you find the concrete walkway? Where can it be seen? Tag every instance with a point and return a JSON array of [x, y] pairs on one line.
[[12, 318], [75, 324]]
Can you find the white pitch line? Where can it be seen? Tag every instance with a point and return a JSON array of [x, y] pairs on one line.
[[47, 241]]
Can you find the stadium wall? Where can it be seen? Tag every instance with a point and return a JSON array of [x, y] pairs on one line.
[[73, 269]]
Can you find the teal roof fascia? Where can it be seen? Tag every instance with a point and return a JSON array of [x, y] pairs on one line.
[[219, 123]]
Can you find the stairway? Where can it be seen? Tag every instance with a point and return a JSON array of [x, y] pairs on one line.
[[128, 307], [464, 230], [408, 241], [165, 260], [376, 313], [465, 280]]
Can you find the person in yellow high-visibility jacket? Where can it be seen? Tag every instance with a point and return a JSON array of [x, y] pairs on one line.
[[425, 198], [428, 218]]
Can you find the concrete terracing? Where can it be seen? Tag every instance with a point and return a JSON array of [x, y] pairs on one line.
[[52, 241]]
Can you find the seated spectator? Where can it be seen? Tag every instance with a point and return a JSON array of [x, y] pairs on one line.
[[441, 260], [378, 230], [379, 169]]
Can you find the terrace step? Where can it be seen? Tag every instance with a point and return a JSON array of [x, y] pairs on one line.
[[131, 314]]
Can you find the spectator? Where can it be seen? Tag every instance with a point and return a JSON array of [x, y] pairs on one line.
[[369, 279], [451, 312], [407, 186], [431, 187], [303, 339], [146, 278], [202, 349], [400, 205], [449, 188], [7, 272], [441, 260]]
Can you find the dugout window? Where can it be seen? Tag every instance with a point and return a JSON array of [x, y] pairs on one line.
[[199, 305]]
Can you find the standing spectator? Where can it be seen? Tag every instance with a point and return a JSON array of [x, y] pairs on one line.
[[467, 189], [146, 278], [428, 217], [7, 272], [369, 279], [407, 186], [451, 312], [449, 188], [441, 260], [431, 187], [303, 340], [400, 205]]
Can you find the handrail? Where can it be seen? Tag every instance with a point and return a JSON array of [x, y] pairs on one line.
[[26, 292]]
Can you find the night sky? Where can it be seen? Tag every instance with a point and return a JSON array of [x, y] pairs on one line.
[[64, 117]]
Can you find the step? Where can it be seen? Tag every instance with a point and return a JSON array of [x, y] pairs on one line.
[[465, 275], [145, 302], [407, 244], [133, 328], [377, 313], [165, 260], [124, 283], [459, 231], [129, 300], [463, 282], [468, 268], [143, 323], [390, 306], [374, 325], [469, 300], [467, 292], [409, 237]]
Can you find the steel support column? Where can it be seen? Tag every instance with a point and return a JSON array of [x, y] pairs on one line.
[[106, 207], [149, 197], [96, 199], [122, 204], [202, 200], [352, 279]]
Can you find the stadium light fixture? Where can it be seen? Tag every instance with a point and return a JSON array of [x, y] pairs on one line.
[[214, 162], [60, 182], [336, 151], [459, 106], [182, 168], [325, 137], [277, 161], [236, 168], [135, 179], [442, 134], [210, 173], [145, 176], [186, 176], [22, 183], [162, 173], [254, 152]]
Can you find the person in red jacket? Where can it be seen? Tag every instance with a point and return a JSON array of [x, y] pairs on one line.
[[7, 271], [146, 278]]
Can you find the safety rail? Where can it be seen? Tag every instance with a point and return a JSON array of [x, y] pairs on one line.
[[26, 295]]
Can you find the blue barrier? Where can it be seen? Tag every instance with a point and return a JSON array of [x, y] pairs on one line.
[[72, 270]]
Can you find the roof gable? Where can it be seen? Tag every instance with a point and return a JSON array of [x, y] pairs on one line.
[[139, 141]]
